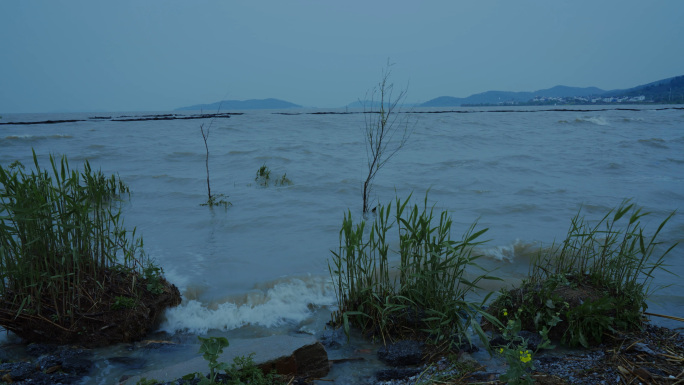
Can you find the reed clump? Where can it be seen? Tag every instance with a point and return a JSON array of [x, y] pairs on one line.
[[594, 283], [69, 271], [418, 290], [263, 178]]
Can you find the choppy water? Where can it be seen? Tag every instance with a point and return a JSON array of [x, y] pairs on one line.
[[263, 262]]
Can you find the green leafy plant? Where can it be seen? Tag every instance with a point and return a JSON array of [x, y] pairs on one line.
[[425, 293], [153, 277], [516, 352], [211, 349], [121, 302], [244, 371], [241, 371], [588, 322]]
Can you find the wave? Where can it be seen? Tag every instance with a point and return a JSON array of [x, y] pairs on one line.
[[597, 120], [654, 142], [29, 138], [513, 252], [287, 300], [675, 161]]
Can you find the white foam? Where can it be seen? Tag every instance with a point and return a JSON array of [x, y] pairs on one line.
[[501, 253], [510, 253], [285, 301], [598, 120]]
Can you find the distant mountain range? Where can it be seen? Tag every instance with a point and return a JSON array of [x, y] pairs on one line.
[[252, 104], [501, 97], [670, 90]]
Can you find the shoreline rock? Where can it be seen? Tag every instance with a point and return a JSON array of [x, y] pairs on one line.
[[301, 356], [50, 364]]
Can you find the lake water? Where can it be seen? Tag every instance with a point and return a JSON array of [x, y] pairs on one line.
[[260, 267]]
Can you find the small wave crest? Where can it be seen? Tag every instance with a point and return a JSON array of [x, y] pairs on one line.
[[287, 300], [30, 138], [512, 252], [597, 120], [654, 142]]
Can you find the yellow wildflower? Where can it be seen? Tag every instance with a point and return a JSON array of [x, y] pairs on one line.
[[525, 356]]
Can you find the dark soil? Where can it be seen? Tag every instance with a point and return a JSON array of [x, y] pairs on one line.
[[100, 322], [653, 356]]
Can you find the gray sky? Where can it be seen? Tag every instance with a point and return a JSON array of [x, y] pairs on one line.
[[147, 55]]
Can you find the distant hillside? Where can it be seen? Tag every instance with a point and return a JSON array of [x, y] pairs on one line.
[[670, 90], [505, 97], [252, 104]]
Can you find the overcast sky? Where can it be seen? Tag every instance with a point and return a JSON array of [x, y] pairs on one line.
[[149, 55]]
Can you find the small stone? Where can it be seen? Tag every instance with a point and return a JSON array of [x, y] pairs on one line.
[[128, 362], [533, 339], [643, 348], [402, 353], [76, 365], [47, 361], [21, 370], [396, 373], [332, 339], [37, 350]]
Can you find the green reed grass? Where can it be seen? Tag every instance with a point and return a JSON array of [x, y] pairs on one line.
[[615, 252], [61, 231], [420, 288], [610, 263]]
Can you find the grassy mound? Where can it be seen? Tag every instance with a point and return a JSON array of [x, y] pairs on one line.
[[595, 283], [69, 271], [126, 311]]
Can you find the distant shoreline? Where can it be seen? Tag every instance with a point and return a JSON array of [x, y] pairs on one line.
[[426, 110]]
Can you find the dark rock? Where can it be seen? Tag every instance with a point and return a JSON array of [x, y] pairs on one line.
[[302, 356], [402, 353], [332, 339], [498, 340], [76, 365], [19, 370], [40, 378], [66, 352], [465, 346], [47, 361], [307, 361], [533, 339], [37, 350], [128, 362], [396, 373]]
